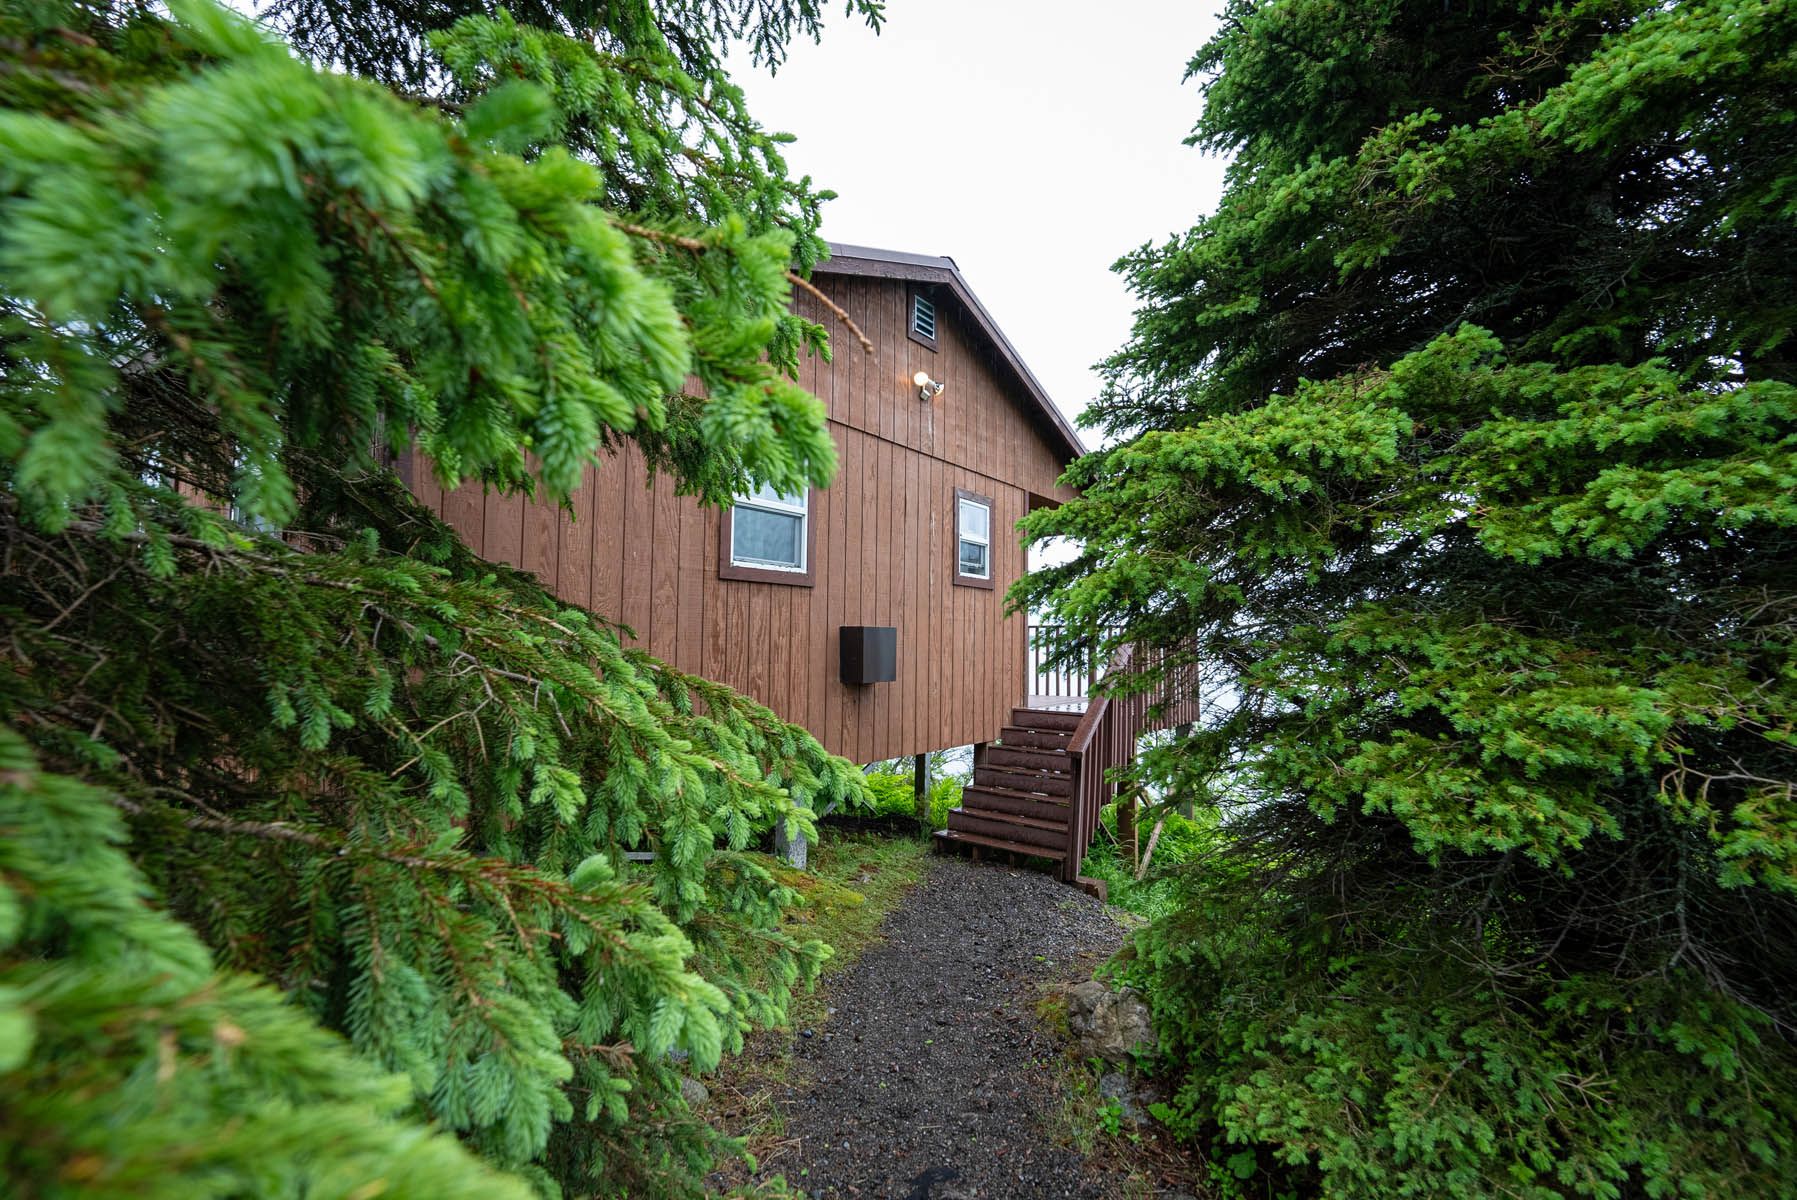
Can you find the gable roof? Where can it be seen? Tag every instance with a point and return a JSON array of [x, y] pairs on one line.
[[867, 262]]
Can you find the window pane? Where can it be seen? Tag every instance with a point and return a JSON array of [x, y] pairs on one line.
[[766, 493], [976, 521], [767, 539], [973, 559]]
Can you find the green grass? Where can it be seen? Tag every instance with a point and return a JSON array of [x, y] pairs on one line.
[[855, 879]]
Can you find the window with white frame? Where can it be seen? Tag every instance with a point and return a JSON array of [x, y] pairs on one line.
[[973, 527], [767, 530]]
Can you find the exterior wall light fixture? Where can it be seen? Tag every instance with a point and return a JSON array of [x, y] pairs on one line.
[[927, 388]]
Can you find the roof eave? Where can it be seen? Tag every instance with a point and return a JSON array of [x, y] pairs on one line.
[[868, 262]]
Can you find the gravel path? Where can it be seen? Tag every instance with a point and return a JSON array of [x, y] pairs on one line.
[[931, 1079]]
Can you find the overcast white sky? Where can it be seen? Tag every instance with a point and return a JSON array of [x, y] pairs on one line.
[[1034, 143]]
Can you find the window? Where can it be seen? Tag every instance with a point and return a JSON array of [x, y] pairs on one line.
[[974, 525], [767, 537], [973, 539], [769, 531], [922, 329]]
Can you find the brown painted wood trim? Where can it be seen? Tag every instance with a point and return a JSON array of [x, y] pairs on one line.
[[990, 583], [805, 578], [911, 293]]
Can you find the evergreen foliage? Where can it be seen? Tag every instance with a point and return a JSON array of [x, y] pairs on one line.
[[313, 826], [1459, 447]]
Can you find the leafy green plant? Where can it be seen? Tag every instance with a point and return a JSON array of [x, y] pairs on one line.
[[944, 795], [894, 795], [891, 795], [1183, 840]]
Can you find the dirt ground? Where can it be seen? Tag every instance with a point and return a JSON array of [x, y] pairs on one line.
[[933, 1077]]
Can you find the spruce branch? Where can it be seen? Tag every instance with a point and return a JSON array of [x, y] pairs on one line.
[[696, 246]]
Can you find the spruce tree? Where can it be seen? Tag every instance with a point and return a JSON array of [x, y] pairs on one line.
[[315, 830], [1458, 448]]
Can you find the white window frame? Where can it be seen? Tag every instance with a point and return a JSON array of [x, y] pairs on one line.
[[961, 536], [801, 510]]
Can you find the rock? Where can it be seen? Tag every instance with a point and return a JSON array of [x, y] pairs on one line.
[[1106, 1024], [693, 1092], [794, 852], [1115, 1085], [939, 1183]]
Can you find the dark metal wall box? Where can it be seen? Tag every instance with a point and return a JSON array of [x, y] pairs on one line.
[[869, 653]]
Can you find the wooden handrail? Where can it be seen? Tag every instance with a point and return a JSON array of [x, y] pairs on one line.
[[1098, 706], [1063, 685], [1105, 737], [1096, 745]]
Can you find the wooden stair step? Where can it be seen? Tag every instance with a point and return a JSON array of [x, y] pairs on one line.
[[1047, 824], [951, 837], [1031, 759], [1022, 779], [1042, 718], [1027, 804], [1045, 739], [1011, 827]]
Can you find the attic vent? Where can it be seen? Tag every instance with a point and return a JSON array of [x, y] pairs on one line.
[[923, 317]]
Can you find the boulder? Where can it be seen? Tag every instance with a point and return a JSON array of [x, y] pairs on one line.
[[1106, 1024]]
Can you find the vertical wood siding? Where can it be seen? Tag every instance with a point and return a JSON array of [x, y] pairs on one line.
[[883, 545]]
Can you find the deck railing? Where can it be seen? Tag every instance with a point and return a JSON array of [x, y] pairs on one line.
[[1106, 738], [1048, 686]]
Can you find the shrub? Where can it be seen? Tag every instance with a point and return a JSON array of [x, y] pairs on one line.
[[1458, 444], [1182, 841], [895, 795], [944, 795]]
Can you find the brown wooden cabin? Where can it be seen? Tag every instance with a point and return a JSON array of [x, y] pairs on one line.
[[764, 598]]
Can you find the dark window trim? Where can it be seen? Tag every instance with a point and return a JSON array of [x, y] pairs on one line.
[[731, 570], [990, 583], [911, 295]]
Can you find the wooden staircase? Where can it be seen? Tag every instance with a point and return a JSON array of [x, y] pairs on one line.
[[1038, 790], [1020, 800]]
